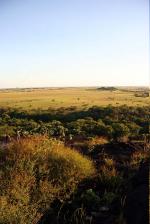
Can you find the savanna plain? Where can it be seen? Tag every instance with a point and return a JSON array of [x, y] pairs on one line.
[[74, 155]]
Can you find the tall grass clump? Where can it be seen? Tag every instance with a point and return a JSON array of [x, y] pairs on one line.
[[34, 172], [109, 176]]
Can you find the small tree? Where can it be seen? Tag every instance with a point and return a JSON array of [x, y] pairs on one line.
[[120, 131]]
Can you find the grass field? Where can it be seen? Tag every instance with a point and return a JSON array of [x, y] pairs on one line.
[[66, 97]]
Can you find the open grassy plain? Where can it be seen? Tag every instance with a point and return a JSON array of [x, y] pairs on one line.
[[66, 97]]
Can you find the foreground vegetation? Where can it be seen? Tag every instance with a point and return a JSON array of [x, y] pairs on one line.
[[35, 172], [41, 175], [68, 166]]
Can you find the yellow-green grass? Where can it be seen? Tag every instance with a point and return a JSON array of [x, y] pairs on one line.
[[66, 97]]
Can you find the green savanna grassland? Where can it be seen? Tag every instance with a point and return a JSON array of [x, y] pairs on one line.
[[66, 97]]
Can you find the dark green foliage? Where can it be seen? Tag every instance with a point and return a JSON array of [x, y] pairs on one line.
[[111, 122]]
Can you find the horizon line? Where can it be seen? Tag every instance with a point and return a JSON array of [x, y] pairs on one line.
[[96, 86]]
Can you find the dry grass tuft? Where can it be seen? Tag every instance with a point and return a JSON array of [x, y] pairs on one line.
[[34, 172]]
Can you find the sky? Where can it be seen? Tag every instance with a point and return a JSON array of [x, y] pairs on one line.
[[74, 43]]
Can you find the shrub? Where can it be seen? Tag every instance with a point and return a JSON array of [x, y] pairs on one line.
[[36, 171], [138, 157], [120, 131], [109, 176]]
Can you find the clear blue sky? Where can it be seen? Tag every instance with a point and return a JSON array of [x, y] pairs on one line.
[[74, 43]]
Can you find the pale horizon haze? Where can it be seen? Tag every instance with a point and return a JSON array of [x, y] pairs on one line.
[[74, 43]]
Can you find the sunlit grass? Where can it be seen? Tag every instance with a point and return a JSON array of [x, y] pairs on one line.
[[34, 172], [66, 97]]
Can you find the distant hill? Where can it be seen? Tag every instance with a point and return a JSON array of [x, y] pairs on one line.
[[107, 88]]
